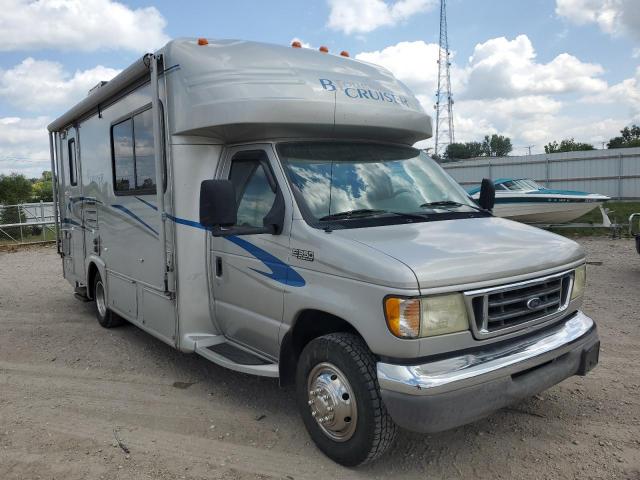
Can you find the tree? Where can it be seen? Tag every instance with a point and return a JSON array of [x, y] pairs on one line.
[[14, 189], [459, 151], [496, 146], [630, 137], [42, 188], [567, 145]]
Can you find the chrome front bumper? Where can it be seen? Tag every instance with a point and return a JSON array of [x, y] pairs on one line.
[[445, 393]]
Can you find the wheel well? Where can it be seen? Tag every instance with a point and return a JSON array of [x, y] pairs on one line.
[[93, 270], [310, 324]]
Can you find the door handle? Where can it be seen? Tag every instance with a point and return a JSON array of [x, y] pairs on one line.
[[218, 266]]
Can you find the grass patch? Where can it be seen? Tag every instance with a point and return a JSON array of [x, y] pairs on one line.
[[619, 212]]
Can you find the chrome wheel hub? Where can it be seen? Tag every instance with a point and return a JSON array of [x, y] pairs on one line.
[[332, 402], [100, 299]]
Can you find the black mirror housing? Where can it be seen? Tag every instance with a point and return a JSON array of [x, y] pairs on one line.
[[218, 206], [487, 194]]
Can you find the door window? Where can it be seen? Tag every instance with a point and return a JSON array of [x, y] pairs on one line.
[[255, 190], [73, 165]]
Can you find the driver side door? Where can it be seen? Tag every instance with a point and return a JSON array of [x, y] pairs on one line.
[[250, 270]]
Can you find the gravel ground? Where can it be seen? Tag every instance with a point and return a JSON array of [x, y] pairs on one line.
[[68, 388]]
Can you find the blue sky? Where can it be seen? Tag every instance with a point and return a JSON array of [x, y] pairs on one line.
[[536, 70]]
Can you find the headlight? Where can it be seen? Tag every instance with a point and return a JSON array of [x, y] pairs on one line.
[[426, 317], [579, 281]]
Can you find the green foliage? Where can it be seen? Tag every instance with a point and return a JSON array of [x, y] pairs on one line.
[[630, 137], [14, 189], [496, 146], [42, 188], [461, 151], [567, 145]]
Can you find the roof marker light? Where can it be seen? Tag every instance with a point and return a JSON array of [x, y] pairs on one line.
[[324, 49], [296, 44], [203, 41], [344, 53]]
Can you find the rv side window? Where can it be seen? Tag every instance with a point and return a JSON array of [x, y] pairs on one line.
[[254, 193], [73, 166], [134, 169]]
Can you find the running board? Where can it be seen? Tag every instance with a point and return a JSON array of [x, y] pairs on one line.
[[234, 358]]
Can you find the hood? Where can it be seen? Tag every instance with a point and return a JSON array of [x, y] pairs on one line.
[[473, 250]]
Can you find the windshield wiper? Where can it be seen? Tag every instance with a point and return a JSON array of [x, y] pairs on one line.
[[361, 212], [450, 203]]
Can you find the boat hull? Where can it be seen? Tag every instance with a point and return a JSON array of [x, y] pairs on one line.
[[544, 212]]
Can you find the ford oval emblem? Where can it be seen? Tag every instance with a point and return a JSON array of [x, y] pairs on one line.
[[534, 303]]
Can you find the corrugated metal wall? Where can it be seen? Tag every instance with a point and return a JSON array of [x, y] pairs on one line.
[[615, 173]]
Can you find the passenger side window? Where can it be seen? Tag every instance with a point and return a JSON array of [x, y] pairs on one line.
[[255, 190], [134, 168], [73, 165]]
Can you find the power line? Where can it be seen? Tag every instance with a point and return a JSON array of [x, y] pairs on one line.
[[444, 98]]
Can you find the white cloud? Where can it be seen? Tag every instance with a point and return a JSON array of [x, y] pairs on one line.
[[24, 145], [363, 16], [503, 89], [612, 16], [507, 68], [79, 25], [39, 85]]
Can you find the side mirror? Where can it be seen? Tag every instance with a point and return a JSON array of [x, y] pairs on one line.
[[487, 194], [218, 204]]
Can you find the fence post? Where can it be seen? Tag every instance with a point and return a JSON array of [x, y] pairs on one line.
[[20, 222], [546, 173], [619, 176], [44, 233]]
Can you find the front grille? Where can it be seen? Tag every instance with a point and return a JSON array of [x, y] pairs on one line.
[[509, 307]]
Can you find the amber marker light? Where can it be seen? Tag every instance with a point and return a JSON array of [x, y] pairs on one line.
[[203, 41], [324, 49], [344, 53], [296, 44]]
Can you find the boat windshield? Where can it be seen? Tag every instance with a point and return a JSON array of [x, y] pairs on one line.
[[521, 184], [337, 181]]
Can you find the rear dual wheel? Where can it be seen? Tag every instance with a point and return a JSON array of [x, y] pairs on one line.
[[339, 399], [106, 317]]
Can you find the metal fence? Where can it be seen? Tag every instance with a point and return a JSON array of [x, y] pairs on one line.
[[27, 223], [615, 173]]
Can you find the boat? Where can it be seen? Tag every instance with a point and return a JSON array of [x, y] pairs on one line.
[[524, 200]]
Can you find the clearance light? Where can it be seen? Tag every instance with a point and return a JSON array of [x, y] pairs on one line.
[[296, 44], [344, 53], [324, 49], [203, 41]]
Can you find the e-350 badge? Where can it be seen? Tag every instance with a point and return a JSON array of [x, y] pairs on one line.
[[306, 255]]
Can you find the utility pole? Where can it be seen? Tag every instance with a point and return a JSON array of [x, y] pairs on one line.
[[529, 147], [444, 98]]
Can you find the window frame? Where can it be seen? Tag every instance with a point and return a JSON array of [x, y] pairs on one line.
[[136, 190], [72, 161]]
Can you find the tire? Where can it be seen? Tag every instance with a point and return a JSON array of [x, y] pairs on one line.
[[356, 432], [106, 318]]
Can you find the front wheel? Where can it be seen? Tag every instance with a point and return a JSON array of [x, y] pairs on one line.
[[339, 399]]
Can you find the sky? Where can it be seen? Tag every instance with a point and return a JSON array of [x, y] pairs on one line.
[[534, 70]]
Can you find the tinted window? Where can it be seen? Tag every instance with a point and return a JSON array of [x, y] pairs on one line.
[[73, 166], [123, 160], [133, 154], [253, 192], [145, 159]]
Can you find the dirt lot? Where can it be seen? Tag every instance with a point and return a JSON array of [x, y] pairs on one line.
[[66, 384]]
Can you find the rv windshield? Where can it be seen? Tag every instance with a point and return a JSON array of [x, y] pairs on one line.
[[338, 181]]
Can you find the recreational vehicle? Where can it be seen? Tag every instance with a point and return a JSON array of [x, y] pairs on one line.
[[262, 206]]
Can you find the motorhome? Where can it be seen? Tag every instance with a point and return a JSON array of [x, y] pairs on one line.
[[264, 207]]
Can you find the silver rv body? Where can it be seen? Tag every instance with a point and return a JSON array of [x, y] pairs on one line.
[[129, 162]]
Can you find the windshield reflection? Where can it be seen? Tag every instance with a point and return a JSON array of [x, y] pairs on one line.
[[334, 177]]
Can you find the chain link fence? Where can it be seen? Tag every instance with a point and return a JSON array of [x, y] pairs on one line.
[[27, 223]]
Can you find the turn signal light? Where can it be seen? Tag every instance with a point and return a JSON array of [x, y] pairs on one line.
[[203, 41]]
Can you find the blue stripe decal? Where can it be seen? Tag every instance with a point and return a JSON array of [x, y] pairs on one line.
[[147, 203], [280, 271], [134, 216]]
